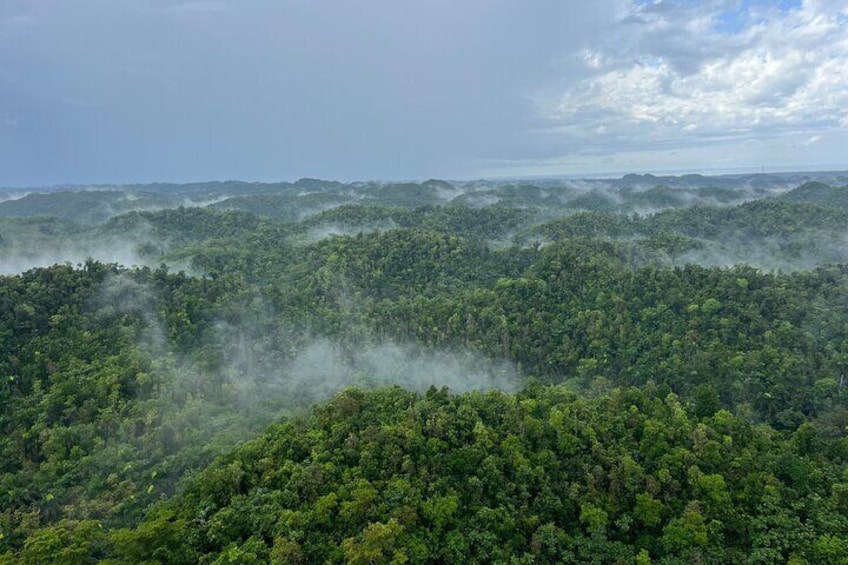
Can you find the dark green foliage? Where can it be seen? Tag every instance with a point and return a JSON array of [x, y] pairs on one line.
[[477, 223], [757, 219], [595, 201], [188, 224], [767, 232], [409, 195], [92, 427], [282, 206], [87, 206], [404, 262], [760, 218], [542, 476], [309, 196], [721, 195], [696, 414], [589, 224], [656, 197], [819, 193]]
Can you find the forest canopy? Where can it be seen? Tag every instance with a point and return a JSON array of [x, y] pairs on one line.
[[638, 370]]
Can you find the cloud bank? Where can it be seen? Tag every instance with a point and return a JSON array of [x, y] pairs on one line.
[[736, 83]]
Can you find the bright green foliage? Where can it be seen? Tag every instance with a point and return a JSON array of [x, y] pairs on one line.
[[697, 414], [359, 480]]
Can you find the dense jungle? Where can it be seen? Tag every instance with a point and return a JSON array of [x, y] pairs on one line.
[[641, 369]]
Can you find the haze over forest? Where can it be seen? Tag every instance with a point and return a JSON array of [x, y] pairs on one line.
[[645, 368], [611, 328]]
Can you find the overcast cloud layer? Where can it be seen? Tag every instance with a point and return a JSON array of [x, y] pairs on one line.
[[96, 91]]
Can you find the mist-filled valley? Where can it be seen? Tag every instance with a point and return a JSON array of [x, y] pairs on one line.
[[628, 370]]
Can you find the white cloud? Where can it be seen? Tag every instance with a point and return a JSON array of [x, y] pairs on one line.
[[675, 74], [811, 140]]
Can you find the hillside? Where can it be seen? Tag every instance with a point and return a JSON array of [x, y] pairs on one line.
[[429, 372]]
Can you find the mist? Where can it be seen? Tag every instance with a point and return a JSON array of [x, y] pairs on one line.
[[125, 252], [771, 254], [250, 367], [272, 364], [323, 231]]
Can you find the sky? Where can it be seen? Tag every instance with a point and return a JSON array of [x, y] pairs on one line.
[[122, 91]]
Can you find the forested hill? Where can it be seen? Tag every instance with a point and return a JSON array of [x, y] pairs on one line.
[[650, 370], [539, 477]]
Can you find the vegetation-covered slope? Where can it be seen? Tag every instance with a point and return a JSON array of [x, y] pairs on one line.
[[541, 477], [665, 410]]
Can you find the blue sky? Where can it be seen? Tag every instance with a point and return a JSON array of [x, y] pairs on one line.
[[113, 91]]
